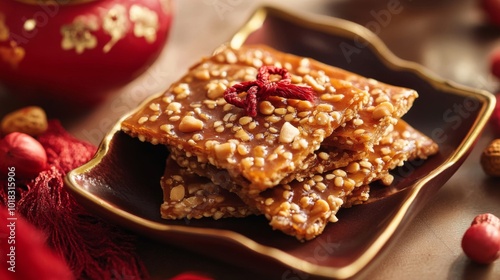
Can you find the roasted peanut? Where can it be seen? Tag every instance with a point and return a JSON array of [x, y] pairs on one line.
[[30, 120]]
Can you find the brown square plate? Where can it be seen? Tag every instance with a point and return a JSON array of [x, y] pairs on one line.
[[122, 182]]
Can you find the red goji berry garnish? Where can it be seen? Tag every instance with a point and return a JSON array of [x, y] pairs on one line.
[[262, 88]]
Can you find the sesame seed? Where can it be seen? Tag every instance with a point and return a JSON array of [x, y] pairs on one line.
[[304, 201], [353, 167], [324, 108], [252, 125], [259, 161], [227, 107], [359, 131], [269, 201], [242, 149], [231, 57], [338, 182], [339, 173], [322, 119], [280, 111], [181, 88], [266, 108], [332, 97], [318, 178], [299, 218], [245, 120], [324, 156], [242, 135], [320, 186], [154, 106], [313, 83], [273, 119]]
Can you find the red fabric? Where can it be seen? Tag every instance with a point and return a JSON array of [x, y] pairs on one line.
[[24, 254], [92, 248], [190, 276]]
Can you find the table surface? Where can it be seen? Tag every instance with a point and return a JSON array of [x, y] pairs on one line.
[[448, 37]]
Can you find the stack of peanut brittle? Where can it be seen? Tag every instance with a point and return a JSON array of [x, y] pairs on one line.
[[256, 131]]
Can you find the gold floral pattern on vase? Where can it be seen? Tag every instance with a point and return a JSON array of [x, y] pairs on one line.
[[10, 52], [78, 35], [89, 38], [4, 30], [115, 24], [145, 22]]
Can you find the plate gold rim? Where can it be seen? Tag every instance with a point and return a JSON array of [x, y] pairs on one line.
[[334, 26]]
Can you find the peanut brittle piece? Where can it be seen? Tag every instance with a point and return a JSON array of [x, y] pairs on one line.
[[358, 196], [193, 116], [387, 103], [303, 208], [188, 195], [324, 160], [193, 197], [400, 143], [321, 161]]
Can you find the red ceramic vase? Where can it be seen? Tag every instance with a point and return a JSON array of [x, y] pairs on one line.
[[75, 51]]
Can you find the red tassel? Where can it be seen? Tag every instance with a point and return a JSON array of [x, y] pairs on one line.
[[24, 254], [93, 248], [260, 90]]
